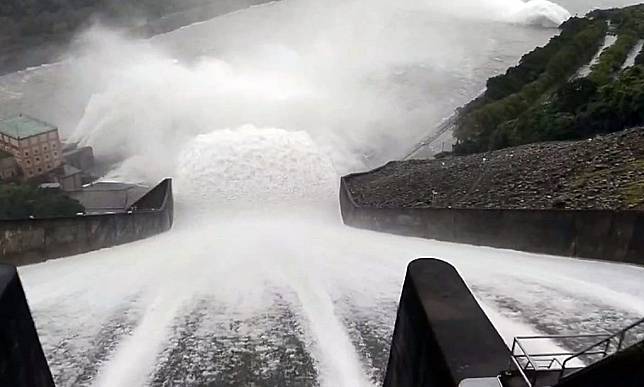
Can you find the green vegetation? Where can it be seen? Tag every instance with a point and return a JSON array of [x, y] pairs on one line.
[[539, 99], [24, 201], [633, 193]]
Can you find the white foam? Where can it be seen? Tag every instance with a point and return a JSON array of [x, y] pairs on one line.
[[253, 167], [237, 258]]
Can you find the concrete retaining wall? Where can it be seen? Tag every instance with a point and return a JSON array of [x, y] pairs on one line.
[[36, 240], [598, 234]]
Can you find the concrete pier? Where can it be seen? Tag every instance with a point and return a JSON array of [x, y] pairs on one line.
[[442, 336]]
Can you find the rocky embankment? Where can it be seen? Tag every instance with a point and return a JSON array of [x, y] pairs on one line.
[[600, 173]]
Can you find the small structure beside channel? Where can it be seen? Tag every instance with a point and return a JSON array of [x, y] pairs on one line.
[[53, 204]]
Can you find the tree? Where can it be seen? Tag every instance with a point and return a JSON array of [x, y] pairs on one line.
[[25, 201]]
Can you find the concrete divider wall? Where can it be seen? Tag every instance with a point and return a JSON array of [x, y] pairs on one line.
[[36, 240], [442, 336], [598, 234], [22, 361]]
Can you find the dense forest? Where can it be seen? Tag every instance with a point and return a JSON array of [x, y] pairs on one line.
[[544, 98], [23, 201]]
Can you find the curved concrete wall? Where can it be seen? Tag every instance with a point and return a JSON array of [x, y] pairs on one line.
[[598, 234], [36, 240]]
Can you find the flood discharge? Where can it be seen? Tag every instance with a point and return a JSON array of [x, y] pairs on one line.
[[256, 119]]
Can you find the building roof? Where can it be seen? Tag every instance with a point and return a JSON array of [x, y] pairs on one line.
[[23, 126], [103, 197]]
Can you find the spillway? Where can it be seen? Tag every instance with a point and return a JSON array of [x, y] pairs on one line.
[[256, 115], [276, 298]]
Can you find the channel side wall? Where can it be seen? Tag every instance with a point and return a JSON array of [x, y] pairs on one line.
[[29, 241], [616, 236]]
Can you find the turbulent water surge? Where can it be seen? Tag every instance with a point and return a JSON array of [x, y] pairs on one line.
[[256, 115]]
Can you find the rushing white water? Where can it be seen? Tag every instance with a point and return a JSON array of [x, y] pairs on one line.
[[256, 115], [585, 70], [342, 285], [635, 51]]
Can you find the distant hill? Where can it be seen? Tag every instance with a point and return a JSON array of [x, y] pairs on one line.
[[33, 32], [23, 18], [588, 80]]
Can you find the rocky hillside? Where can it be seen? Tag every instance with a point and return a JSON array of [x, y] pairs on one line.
[[600, 173]]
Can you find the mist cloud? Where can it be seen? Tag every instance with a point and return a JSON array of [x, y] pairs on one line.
[[362, 79]]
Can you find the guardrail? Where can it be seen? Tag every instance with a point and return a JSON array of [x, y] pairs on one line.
[[530, 364], [526, 361]]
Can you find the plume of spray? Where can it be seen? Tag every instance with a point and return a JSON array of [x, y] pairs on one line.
[[537, 12], [540, 13], [349, 85]]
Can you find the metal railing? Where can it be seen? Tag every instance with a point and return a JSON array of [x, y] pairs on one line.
[[526, 361], [529, 363]]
